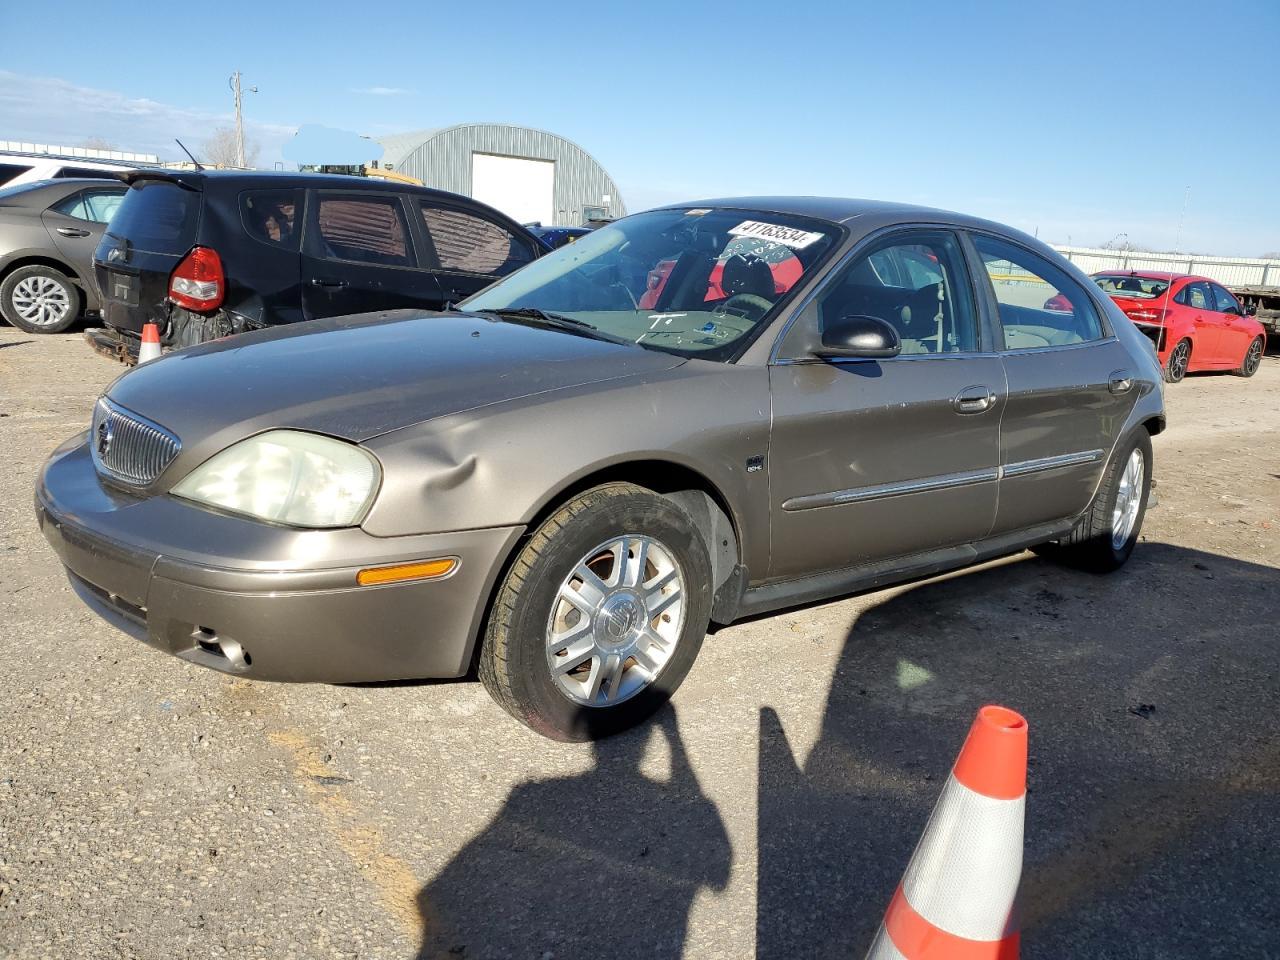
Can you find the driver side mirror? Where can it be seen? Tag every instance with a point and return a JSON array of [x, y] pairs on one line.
[[1251, 310], [859, 336]]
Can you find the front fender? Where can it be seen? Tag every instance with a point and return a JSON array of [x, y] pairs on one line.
[[505, 464]]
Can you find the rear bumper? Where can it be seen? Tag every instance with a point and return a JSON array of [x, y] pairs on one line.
[[144, 565]]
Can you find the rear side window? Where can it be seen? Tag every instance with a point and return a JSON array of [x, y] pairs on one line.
[[272, 216], [1196, 296], [472, 244], [96, 206], [157, 216], [10, 170], [1039, 305], [364, 230]]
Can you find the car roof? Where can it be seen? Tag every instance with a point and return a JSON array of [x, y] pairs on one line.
[[841, 209], [1151, 275], [275, 178], [250, 179]]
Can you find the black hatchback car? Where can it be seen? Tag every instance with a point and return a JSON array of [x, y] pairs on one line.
[[205, 254]]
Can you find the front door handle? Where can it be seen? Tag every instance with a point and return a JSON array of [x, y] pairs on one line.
[[73, 232], [1120, 381], [322, 282], [977, 399]]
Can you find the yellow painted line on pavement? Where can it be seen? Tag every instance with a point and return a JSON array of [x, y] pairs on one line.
[[391, 877], [394, 880]]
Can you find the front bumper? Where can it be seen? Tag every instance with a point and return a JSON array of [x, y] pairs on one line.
[[261, 601]]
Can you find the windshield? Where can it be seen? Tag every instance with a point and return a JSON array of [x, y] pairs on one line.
[[697, 282], [1127, 285]]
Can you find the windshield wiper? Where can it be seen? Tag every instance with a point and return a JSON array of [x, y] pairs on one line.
[[556, 321]]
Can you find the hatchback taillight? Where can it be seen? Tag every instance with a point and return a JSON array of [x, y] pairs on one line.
[[198, 282]]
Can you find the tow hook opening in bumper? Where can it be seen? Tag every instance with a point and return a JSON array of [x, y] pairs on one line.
[[231, 655]]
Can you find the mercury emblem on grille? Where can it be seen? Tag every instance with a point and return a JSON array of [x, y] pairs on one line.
[[104, 436]]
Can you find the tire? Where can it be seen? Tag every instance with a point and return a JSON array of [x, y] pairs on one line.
[[1252, 358], [39, 299], [520, 664], [1096, 544], [1179, 358]]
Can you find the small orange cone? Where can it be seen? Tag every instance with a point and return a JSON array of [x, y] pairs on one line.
[[150, 349], [956, 900]]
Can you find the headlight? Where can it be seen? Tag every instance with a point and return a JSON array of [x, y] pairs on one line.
[[289, 477]]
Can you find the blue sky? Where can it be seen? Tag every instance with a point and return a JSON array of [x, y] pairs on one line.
[[1084, 122]]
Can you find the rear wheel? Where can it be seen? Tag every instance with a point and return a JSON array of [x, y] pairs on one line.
[[600, 616], [1252, 358], [1105, 536], [39, 299], [1179, 360]]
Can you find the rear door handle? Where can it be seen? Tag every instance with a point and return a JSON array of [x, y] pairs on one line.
[[1120, 381], [322, 282], [72, 232], [977, 399]]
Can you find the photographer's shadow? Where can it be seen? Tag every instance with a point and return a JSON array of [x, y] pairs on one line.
[[602, 864]]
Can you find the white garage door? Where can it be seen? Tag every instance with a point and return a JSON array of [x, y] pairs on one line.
[[522, 189]]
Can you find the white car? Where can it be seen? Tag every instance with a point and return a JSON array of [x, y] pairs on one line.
[[18, 168]]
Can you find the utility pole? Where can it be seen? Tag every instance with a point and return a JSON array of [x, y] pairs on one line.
[[234, 84]]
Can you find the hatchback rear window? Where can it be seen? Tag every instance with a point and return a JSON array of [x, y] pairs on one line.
[[158, 217]]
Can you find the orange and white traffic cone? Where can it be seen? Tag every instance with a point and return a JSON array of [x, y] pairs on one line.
[[150, 349], [956, 900]]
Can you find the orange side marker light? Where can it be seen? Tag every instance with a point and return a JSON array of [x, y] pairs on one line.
[[423, 570]]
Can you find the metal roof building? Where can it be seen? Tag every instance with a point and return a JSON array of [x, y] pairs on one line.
[[527, 174]]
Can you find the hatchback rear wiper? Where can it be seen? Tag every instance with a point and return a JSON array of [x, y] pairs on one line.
[[557, 321]]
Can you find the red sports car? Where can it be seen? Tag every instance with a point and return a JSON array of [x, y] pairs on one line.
[[1195, 323]]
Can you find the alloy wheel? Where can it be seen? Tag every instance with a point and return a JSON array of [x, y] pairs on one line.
[[1179, 360], [615, 621], [1253, 359], [41, 301], [1124, 515]]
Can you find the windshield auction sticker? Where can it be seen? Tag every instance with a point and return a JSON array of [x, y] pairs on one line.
[[787, 236]]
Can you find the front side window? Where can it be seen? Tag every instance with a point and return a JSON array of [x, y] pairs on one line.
[[696, 282], [472, 244], [917, 284], [1039, 305], [363, 230], [272, 216], [1225, 302]]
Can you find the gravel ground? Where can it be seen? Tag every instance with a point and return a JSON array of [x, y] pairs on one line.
[[152, 809]]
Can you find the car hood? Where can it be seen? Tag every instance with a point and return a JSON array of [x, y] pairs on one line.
[[360, 376]]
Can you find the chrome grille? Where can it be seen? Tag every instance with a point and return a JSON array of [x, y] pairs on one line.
[[130, 448]]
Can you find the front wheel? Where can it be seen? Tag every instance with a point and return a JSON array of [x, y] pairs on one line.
[[600, 616], [1252, 358], [1105, 536], [1179, 360]]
